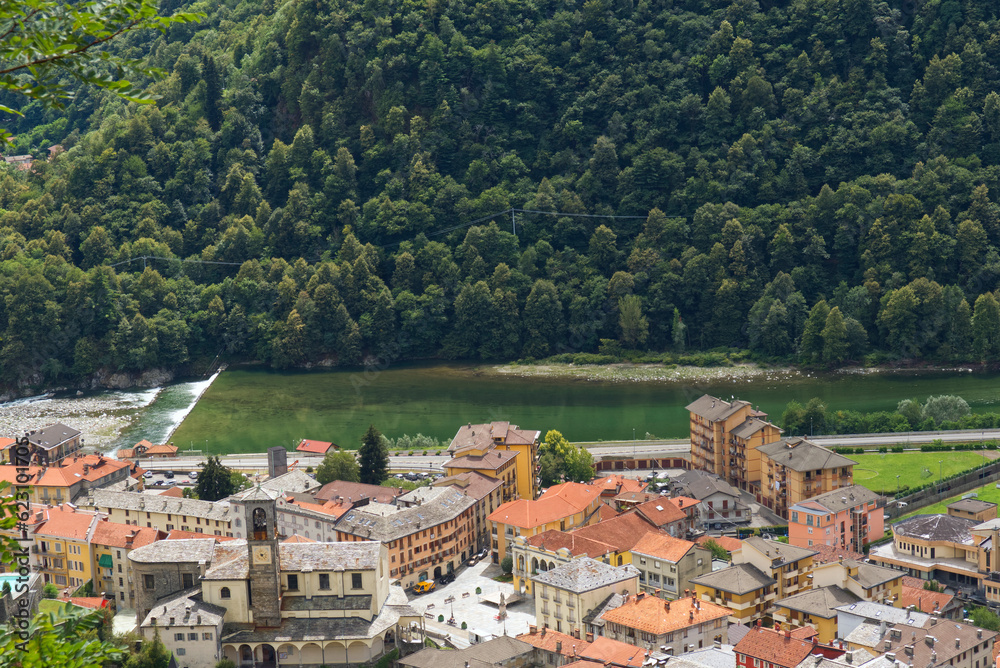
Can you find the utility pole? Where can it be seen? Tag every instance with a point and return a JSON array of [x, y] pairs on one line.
[[513, 222]]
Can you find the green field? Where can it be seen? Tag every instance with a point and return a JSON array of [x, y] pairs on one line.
[[988, 492], [879, 471]]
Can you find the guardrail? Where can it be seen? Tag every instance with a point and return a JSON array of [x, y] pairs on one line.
[[905, 434]]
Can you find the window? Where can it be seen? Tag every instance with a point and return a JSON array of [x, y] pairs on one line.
[[224, 593], [795, 516], [293, 582], [810, 529], [119, 568], [120, 583], [180, 650], [148, 582], [187, 580], [355, 580], [179, 636], [324, 580], [192, 636], [206, 636]]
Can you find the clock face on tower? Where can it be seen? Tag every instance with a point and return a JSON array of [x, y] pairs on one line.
[[261, 555]]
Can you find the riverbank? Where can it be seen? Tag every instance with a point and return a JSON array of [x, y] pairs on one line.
[[624, 372]]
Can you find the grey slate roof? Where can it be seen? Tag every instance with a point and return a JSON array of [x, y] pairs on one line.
[[736, 632], [714, 409], [936, 527], [348, 556], [380, 521], [257, 493], [839, 499], [867, 634], [52, 435], [295, 481], [188, 550], [780, 553], [709, 657], [495, 652], [820, 602], [737, 579], [217, 510], [749, 427], [971, 505], [871, 575], [700, 485], [585, 574], [185, 608], [879, 612], [799, 454], [610, 603]]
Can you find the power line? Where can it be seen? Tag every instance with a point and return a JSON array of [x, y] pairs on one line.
[[172, 259]]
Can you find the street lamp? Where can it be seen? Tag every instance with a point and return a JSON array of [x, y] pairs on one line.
[[897, 485], [633, 449], [940, 477]]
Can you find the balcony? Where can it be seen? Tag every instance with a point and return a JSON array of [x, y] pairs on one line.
[[570, 604]]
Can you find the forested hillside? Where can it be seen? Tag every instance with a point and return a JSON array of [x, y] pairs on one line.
[[811, 180]]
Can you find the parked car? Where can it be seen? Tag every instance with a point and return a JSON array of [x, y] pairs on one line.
[[194, 475], [447, 578], [168, 474], [147, 474], [424, 587]]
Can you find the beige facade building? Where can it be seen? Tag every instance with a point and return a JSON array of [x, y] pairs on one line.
[[667, 565], [499, 450], [794, 469], [790, 566], [567, 594], [672, 627]]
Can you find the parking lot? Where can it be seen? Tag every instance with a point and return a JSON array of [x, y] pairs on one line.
[[460, 596], [159, 479]]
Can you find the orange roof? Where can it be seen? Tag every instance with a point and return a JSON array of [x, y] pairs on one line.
[[614, 651], [606, 512], [150, 449], [174, 491], [583, 663], [727, 542], [72, 471], [318, 447], [298, 539], [113, 534], [86, 601], [652, 614], [663, 546], [610, 484], [773, 646], [546, 639], [64, 522], [622, 532], [829, 553], [661, 512], [683, 502], [180, 534], [558, 502], [926, 601], [553, 540], [335, 508], [6, 442]]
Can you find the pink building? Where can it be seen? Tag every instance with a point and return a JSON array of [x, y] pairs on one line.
[[850, 518]]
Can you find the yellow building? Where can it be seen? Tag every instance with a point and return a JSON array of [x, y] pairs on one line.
[[940, 547], [725, 437], [497, 464], [794, 469], [166, 513], [566, 595], [790, 566], [743, 588], [62, 543], [816, 608], [54, 485], [868, 582], [110, 543], [549, 550], [561, 508], [479, 439]]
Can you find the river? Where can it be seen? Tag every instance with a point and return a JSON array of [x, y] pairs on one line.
[[249, 410]]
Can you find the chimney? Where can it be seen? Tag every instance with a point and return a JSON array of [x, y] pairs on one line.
[[532, 629], [815, 641], [693, 604], [86, 469], [153, 620], [559, 646], [543, 630], [590, 637], [958, 643], [929, 639], [979, 634], [788, 634], [691, 616], [849, 658], [668, 606], [888, 645], [933, 621], [890, 656], [576, 633], [199, 619]]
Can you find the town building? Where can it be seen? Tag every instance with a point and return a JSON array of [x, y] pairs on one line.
[[934, 547], [72, 479], [816, 608], [165, 513], [549, 549], [727, 543], [487, 493], [973, 509], [616, 484], [569, 592], [725, 436], [553, 648], [939, 604], [767, 648], [111, 542], [50, 445], [675, 627], [939, 643], [146, 450], [62, 538], [561, 507], [189, 628], [794, 469], [790, 566], [664, 515], [500, 450], [428, 532], [855, 615], [296, 603], [720, 505], [622, 533], [342, 490], [667, 565], [850, 517], [743, 588], [500, 652], [869, 582], [629, 500], [310, 447]]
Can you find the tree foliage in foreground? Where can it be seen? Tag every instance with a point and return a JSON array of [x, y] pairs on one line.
[[562, 461], [339, 465]]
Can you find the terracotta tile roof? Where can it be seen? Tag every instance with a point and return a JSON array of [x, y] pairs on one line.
[[622, 532], [179, 534], [333, 508], [663, 546], [299, 539], [910, 581], [593, 664], [615, 652], [684, 502], [86, 601], [318, 447], [651, 614], [97, 467], [471, 483], [603, 651], [491, 460], [606, 512], [774, 647], [925, 600], [553, 540], [727, 542], [113, 534], [356, 490], [65, 522], [660, 512], [175, 492], [547, 640], [556, 503], [616, 484], [6, 442], [150, 449], [829, 553]]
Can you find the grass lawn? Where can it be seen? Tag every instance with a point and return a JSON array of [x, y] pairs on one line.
[[987, 492], [879, 471]]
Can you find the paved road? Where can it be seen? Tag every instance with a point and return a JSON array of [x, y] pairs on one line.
[[913, 438]]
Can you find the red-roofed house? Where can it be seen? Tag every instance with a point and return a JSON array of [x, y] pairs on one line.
[[682, 625], [762, 647], [62, 537], [621, 532], [616, 484], [110, 544], [690, 508], [560, 649], [560, 508], [664, 515], [92, 602], [667, 564], [727, 542], [316, 447], [934, 603], [53, 485], [549, 549], [146, 450]]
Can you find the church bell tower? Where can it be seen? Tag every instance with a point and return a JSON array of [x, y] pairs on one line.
[[260, 508]]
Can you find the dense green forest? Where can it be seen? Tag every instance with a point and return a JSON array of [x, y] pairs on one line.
[[809, 180]]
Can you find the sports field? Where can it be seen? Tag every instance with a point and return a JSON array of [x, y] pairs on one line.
[[878, 471], [988, 492]]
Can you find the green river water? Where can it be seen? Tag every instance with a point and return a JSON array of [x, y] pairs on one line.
[[249, 410]]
